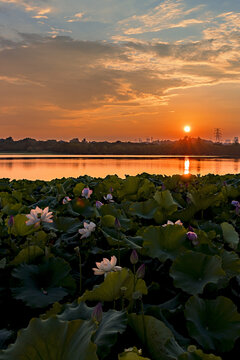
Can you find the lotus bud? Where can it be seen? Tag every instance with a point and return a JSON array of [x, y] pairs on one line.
[[190, 228], [117, 224], [191, 348], [111, 190], [140, 272], [134, 257], [163, 187], [98, 204], [97, 313], [77, 250], [11, 221], [192, 236]]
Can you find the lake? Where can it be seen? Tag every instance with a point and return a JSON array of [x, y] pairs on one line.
[[47, 167]]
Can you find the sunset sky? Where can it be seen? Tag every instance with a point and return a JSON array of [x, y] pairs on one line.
[[119, 69]]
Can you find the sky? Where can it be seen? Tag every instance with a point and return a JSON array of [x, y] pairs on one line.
[[119, 70]]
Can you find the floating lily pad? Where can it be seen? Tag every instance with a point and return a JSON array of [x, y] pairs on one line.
[[214, 324], [192, 271]]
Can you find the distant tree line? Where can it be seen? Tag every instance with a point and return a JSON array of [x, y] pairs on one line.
[[186, 146]]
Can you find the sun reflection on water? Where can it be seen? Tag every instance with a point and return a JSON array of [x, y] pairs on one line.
[[186, 166]]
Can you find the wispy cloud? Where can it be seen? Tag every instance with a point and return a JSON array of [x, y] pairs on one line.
[[168, 14], [77, 17], [40, 9]]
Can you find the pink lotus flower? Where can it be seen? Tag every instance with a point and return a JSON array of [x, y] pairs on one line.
[[88, 228], [86, 193], [99, 204], [66, 200], [38, 215], [106, 266], [178, 222]]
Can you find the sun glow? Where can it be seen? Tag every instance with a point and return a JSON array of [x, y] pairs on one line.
[[187, 128]]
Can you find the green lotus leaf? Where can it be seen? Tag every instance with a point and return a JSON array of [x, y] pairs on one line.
[[53, 339], [197, 354], [77, 190], [132, 354], [230, 235], [214, 324], [20, 228], [82, 207], [38, 238], [113, 323], [166, 201], [164, 242], [108, 221], [111, 288], [192, 271], [64, 224], [230, 263], [55, 309], [155, 335], [44, 284], [144, 210], [76, 311], [112, 209], [27, 255]]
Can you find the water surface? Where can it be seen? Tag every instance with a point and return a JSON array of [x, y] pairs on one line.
[[47, 167]]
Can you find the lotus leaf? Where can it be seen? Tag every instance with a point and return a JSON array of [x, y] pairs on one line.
[[155, 335], [195, 354], [77, 190], [145, 209], [214, 324], [111, 288], [131, 355], [164, 242], [20, 228], [53, 339], [42, 285], [27, 255], [166, 202], [230, 235], [192, 271]]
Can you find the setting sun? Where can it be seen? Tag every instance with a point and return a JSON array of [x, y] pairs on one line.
[[187, 129]]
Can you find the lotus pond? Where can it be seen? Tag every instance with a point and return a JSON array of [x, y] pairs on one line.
[[145, 267]]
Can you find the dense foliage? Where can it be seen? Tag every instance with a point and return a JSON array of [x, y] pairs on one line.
[[174, 292], [186, 146]]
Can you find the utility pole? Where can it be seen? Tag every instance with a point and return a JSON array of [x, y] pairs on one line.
[[218, 134]]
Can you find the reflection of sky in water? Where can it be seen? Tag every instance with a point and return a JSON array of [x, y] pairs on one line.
[[50, 168]]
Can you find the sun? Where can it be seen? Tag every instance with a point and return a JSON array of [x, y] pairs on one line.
[[187, 128]]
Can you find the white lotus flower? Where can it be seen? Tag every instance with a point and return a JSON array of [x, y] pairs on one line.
[[38, 215], [88, 228], [109, 198], [178, 222], [106, 266]]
